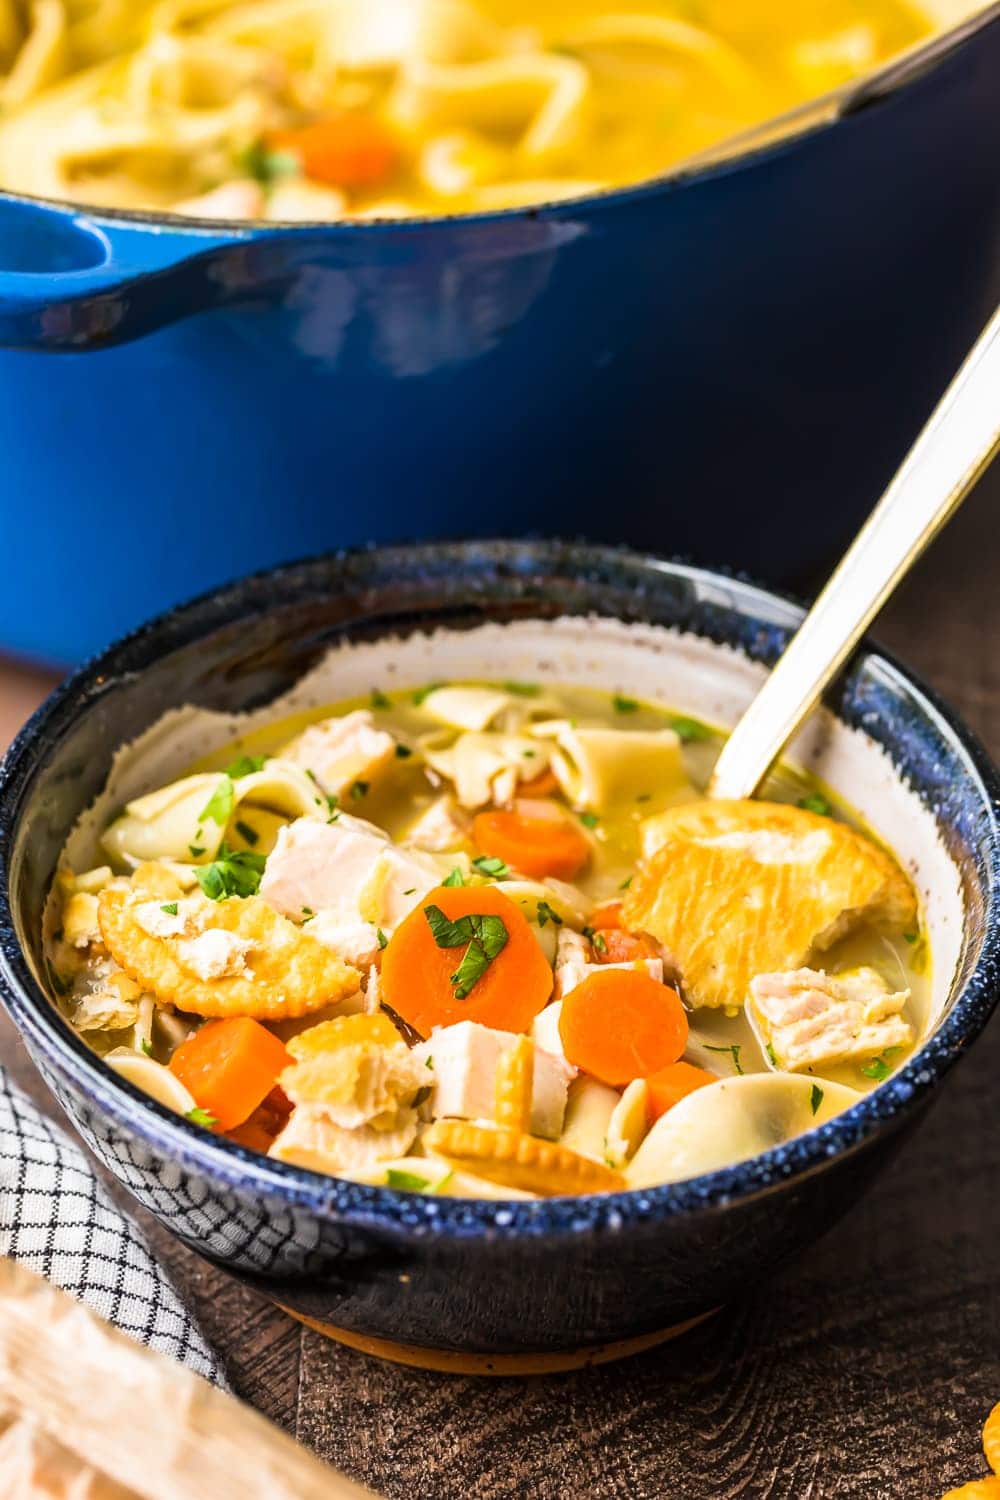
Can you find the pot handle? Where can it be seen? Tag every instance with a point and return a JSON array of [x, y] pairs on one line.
[[70, 282]]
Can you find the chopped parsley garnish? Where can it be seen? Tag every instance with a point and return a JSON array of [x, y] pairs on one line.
[[589, 819], [644, 797], [219, 807], [195, 850], [769, 1049], [815, 1097], [523, 689], [403, 752], [266, 166], [911, 937], [429, 1063], [170, 907], [488, 864], [546, 914], [734, 1050], [245, 765], [625, 883], [247, 834], [332, 803], [689, 730], [199, 1116], [147, 1050], [815, 803], [483, 936], [395, 1177], [596, 939], [234, 872], [411, 891], [455, 878], [425, 692], [383, 941], [625, 705], [379, 699], [359, 789], [879, 1068], [307, 912]]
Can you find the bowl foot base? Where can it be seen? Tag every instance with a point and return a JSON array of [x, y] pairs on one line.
[[453, 1362]]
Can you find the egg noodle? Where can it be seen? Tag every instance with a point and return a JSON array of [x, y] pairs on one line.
[[321, 109]]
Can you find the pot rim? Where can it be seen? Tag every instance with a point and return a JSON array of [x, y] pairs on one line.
[[745, 147], [882, 1110]]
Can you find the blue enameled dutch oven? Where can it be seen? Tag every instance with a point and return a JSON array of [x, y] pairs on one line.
[[487, 1285], [726, 362]]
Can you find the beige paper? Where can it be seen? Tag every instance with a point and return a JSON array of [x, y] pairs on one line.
[[86, 1414]]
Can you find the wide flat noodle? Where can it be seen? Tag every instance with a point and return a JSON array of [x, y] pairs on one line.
[[288, 972]]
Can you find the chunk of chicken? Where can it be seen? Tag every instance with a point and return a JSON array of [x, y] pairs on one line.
[[461, 1063], [241, 199], [340, 752], [348, 871], [812, 1020], [443, 826]]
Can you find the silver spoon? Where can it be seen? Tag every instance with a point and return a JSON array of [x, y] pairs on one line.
[[940, 469]]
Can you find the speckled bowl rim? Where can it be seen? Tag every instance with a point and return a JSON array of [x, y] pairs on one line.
[[413, 1213]]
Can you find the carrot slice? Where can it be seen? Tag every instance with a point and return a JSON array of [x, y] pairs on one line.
[[537, 846], [621, 1024], [673, 1083], [230, 1067], [417, 974], [616, 947], [348, 150], [542, 785], [608, 915]]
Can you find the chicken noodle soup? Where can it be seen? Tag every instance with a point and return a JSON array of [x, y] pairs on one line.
[[326, 109], [489, 940]]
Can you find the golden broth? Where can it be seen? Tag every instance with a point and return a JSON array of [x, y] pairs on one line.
[[199, 106]]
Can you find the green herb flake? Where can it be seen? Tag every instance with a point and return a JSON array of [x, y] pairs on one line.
[[816, 803], [625, 705], [411, 891], [734, 1050], [880, 1067], [359, 789], [408, 1181], [268, 167], [815, 1097], [379, 699], [625, 883], [234, 872], [219, 807], [911, 937], [455, 878], [421, 694], [383, 941], [245, 765], [170, 907], [247, 834], [523, 689], [488, 864], [145, 1048], [485, 936], [589, 819], [307, 911], [688, 730], [403, 752], [195, 850], [600, 942], [546, 914], [199, 1116], [644, 797], [772, 1056], [429, 1063]]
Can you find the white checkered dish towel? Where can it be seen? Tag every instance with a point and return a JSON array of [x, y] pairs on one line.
[[57, 1218]]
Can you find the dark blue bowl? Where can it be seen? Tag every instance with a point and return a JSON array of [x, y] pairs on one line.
[[446, 1282], [728, 362]]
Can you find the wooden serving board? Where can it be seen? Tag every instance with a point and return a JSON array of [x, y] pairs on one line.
[[864, 1371]]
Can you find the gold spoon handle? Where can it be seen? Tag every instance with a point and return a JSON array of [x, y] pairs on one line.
[[938, 472]]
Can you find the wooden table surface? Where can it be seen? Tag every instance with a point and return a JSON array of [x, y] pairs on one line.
[[865, 1370]]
